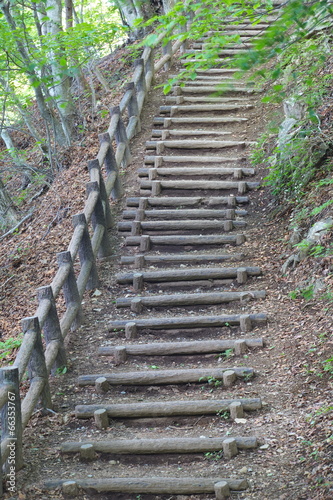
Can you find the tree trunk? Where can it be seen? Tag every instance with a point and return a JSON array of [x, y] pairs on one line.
[[8, 215]]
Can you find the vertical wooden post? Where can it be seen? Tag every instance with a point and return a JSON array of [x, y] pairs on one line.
[[149, 69], [121, 136], [132, 107], [98, 218], [51, 327], [37, 367], [141, 86], [167, 49], [86, 253], [71, 293], [11, 419], [111, 166], [94, 164]]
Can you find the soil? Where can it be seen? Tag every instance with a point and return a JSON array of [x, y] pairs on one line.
[[293, 426]]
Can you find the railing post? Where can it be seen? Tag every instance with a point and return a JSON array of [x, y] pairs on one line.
[[11, 423], [51, 326], [86, 253], [94, 164], [141, 87], [98, 218], [132, 107], [121, 137], [149, 69], [71, 293], [37, 367], [167, 49], [111, 166]]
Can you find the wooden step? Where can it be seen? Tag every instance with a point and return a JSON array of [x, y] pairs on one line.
[[162, 445], [202, 120], [245, 321], [158, 160], [195, 144], [192, 213], [146, 242], [203, 98], [167, 408], [165, 377], [199, 185], [164, 134], [173, 348], [191, 274], [237, 173], [193, 108], [149, 485], [139, 261], [187, 201], [187, 299], [150, 227]]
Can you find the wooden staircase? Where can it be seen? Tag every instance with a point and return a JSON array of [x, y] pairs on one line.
[[188, 310]]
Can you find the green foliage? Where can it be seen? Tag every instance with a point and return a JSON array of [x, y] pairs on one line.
[[318, 210], [328, 366], [223, 414], [214, 455], [7, 346]]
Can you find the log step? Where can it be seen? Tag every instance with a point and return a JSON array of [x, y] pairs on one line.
[[185, 132], [190, 274], [221, 87], [138, 227], [166, 408], [139, 261], [149, 485], [238, 173], [157, 186], [163, 445], [195, 144], [202, 120], [245, 321], [188, 299], [182, 201], [145, 242], [158, 161], [166, 377], [202, 98], [192, 213], [173, 348], [172, 110]]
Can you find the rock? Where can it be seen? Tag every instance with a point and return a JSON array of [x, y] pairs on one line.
[[319, 229], [295, 237], [292, 261]]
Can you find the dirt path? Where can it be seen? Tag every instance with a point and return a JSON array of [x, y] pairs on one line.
[[198, 262]]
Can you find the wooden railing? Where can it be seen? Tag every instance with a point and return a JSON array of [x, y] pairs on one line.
[[42, 351]]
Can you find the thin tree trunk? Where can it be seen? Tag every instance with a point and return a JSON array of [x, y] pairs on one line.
[[8, 214]]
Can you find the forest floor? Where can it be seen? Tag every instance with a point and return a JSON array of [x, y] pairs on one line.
[[295, 423]]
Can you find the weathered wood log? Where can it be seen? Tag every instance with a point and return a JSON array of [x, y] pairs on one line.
[[187, 274], [153, 485], [203, 120], [164, 377], [167, 408], [201, 98], [199, 185], [201, 172], [172, 348], [186, 132], [208, 87], [101, 418], [204, 213], [146, 241], [173, 258], [196, 144], [222, 490], [192, 299], [164, 445], [178, 225], [188, 322], [172, 110], [182, 201]]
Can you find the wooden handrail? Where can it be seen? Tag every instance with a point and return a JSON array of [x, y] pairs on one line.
[[41, 357]]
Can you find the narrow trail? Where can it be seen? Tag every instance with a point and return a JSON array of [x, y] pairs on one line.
[[169, 403]]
